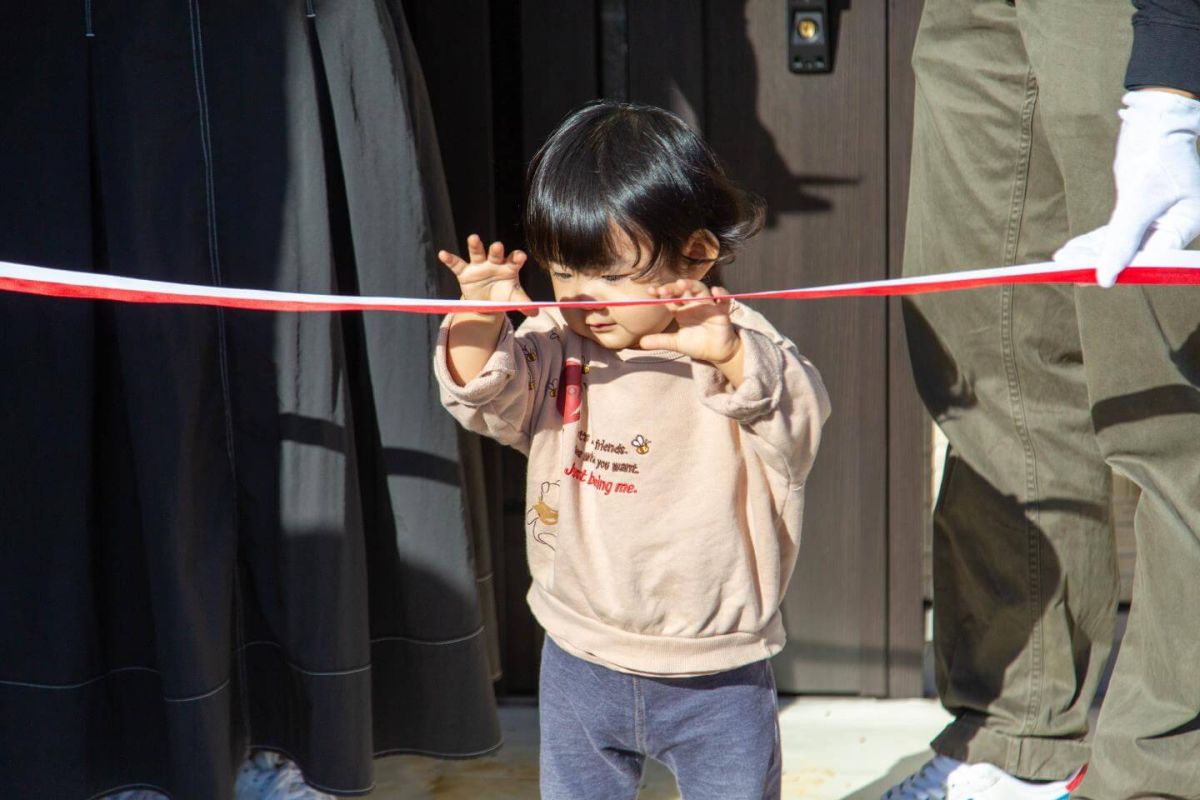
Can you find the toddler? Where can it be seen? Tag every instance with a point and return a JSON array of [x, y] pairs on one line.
[[668, 448]]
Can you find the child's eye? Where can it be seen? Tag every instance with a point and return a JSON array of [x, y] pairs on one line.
[[614, 278], [562, 276]]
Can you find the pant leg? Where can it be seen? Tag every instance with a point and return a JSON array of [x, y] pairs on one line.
[[718, 734], [1078, 50], [1142, 351], [1025, 579], [590, 737]]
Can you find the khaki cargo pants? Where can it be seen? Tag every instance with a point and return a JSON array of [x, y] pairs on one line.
[[1040, 391]]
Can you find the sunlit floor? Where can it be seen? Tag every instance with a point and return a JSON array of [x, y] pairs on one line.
[[833, 749]]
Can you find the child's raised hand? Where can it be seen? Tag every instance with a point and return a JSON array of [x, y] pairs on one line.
[[705, 331], [488, 275]]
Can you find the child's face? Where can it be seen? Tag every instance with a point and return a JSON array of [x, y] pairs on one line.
[[623, 326]]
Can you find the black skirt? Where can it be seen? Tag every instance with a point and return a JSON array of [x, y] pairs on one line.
[[222, 530]]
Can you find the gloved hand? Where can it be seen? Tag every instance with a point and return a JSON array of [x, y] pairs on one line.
[[1158, 186]]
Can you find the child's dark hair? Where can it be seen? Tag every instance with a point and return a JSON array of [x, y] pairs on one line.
[[638, 169]]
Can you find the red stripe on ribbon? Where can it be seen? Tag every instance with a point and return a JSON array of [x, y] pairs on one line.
[[89, 286]]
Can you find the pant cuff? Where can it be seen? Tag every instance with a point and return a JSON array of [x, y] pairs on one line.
[[1028, 757]]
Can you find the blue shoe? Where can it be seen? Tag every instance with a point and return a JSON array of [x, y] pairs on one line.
[[927, 783], [270, 776], [256, 774]]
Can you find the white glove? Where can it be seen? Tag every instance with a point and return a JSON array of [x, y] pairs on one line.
[[1158, 186]]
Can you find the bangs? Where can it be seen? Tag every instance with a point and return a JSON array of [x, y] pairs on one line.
[[572, 220], [591, 242]]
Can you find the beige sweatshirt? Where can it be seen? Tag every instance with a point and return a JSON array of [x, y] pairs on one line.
[[662, 508]]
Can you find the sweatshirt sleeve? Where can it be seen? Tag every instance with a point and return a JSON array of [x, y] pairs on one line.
[[781, 403], [500, 402], [1166, 45]]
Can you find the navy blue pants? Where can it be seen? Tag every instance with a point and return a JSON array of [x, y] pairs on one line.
[[718, 734]]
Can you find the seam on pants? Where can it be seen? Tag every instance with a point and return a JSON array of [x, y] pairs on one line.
[[87, 20], [770, 676], [245, 646], [214, 262], [1016, 207], [214, 254], [639, 715], [1020, 423]]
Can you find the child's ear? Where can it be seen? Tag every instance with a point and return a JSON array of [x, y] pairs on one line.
[[702, 248]]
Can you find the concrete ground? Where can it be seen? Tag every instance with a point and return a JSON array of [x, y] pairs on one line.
[[833, 749]]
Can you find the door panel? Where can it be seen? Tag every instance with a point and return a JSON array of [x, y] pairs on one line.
[[829, 154]]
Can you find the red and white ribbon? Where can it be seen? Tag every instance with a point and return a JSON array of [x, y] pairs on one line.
[[1173, 268]]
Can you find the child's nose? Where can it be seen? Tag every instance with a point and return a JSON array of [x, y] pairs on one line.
[[576, 296]]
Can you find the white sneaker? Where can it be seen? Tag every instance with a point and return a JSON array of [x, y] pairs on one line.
[[988, 782], [927, 783]]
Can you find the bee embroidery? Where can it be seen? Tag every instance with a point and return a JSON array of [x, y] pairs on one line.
[[530, 355], [587, 368], [641, 444], [543, 513], [553, 387]]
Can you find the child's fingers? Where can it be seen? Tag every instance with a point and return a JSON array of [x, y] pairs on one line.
[[699, 293], [456, 264], [690, 294], [665, 290], [682, 288], [496, 253], [659, 341], [517, 258], [475, 249]]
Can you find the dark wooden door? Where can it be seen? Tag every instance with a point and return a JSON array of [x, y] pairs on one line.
[[815, 146], [829, 153]]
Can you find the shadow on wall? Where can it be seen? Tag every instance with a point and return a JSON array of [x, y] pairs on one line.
[[752, 153]]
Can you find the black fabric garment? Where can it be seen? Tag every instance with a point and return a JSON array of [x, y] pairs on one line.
[[225, 529], [1166, 45]]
